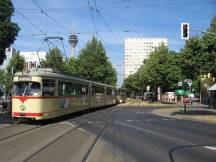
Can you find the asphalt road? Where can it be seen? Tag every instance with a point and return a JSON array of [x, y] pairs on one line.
[[116, 134]]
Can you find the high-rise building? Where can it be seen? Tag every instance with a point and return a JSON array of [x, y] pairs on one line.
[[137, 50]]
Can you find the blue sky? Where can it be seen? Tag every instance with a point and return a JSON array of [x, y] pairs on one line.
[[114, 21]]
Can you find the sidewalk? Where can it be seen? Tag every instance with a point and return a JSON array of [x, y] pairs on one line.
[[5, 119], [198, 112]]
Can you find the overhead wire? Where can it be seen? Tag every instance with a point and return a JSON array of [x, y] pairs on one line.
[[92, 17], [106, 24], [51, 18], [27, 19]]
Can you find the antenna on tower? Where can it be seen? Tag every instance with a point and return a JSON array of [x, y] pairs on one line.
[[73, 40]]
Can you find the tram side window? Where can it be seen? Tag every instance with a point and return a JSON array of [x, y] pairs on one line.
[[97, 91], [84, 90], [48, 87], [72, 89], [62, 89], [111, 92]]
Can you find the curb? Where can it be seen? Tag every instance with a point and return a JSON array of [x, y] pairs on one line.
[[182, 117]]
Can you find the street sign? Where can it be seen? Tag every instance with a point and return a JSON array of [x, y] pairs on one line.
[[189, 84], [180, 84], [188, 80], [181, 92]]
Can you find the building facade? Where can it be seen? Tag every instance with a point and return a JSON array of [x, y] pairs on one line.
[[137, 50], [32, 59]]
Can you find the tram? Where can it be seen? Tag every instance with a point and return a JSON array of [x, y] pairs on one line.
[[121, 95], [46, 93]]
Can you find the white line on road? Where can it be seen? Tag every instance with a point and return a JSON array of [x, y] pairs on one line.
[[148, 120], [137, 120], [155, 133], [67, 123], [165, 119], [211, 147], [83, 130]]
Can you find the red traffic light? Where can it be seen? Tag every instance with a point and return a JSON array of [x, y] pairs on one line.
[[185, 31]]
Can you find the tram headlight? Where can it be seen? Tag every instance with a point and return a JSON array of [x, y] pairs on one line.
[[22, 107]]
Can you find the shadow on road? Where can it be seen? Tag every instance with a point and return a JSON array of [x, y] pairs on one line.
[[194, 112], [9, 120], [171, 151]]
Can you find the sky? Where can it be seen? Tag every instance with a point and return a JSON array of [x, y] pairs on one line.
[[111, 21]]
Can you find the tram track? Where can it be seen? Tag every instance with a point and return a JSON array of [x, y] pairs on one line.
[[53, 141], [89, 150], [98, 137], [19, 133], [88, 153]]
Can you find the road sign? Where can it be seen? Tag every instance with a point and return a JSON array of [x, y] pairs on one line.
[[188, 80], [181, 92], [180, 84], [189, 84]]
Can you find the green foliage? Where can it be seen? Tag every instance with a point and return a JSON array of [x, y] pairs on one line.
[[17, 63], [8, 29], [93, 64], [209, 52], [198, 57], [161, 69], [54, 59], [131, 83], [193, 58], [70, 67]]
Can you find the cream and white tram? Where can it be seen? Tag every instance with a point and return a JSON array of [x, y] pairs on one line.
[[45, 93]]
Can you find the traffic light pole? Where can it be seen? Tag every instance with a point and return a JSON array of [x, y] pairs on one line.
[[202, 31]]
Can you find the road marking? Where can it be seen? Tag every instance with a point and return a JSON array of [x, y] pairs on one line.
[[129, 120], [139, 112], [165, 119], [211, 147], [99, 122], [83, 130], [67, 123], [90, 122], [148, 120], [155, 133]]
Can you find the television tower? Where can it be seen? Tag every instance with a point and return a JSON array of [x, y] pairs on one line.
[[73, 39]]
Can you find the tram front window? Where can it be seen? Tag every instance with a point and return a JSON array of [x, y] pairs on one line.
[[26, 89]]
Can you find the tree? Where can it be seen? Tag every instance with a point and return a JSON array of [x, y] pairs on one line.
[[160, 69], [209, 42], [193, 59], [70, 67], [8, 29], [54, 59], [132, 84], [17, 63], [198, 56], [93, 64]]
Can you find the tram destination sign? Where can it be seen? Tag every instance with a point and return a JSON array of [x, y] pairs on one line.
[[25, 78]]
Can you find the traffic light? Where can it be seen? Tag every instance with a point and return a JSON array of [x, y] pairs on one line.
[[185, 31]]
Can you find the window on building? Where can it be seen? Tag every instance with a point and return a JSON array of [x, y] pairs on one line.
[[32, 64]]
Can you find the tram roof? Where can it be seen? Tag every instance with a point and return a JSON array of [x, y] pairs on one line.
[[52, 73]]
